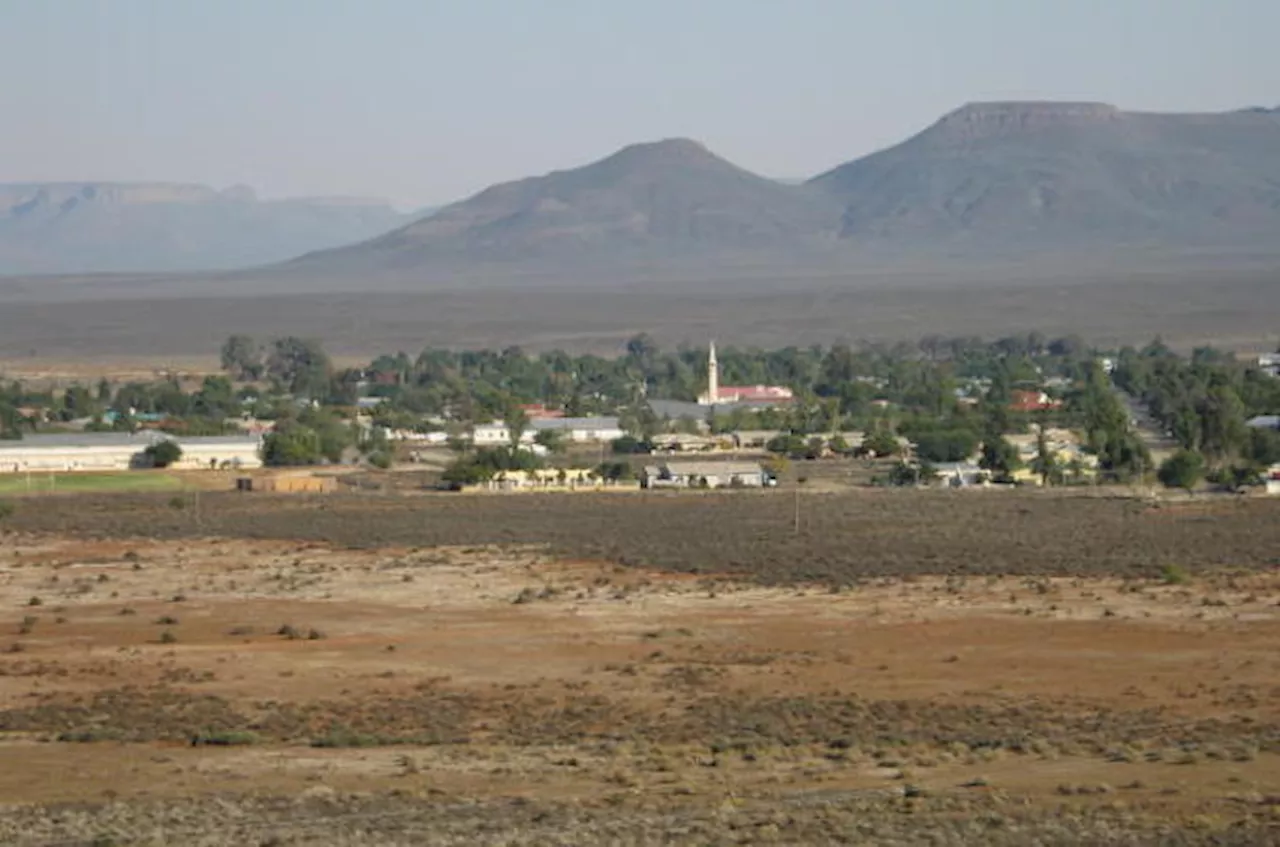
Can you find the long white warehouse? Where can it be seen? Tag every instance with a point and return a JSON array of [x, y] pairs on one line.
[[119, 451]]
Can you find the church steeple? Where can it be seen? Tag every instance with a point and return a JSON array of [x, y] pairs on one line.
[[713, 376]]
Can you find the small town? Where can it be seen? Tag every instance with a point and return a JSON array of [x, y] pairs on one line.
[[718, 424], [952, 414]]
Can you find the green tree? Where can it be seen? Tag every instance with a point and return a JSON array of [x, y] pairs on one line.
[[551, 439], [301, 366], [904, 474], [291, 444], [516, 421], [242, 357], [881, 443], [163, 453], [999, 456], [1045, 462], [1184, 469], [945, 445]]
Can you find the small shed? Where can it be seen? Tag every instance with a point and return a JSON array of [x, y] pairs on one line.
[[288, 484]]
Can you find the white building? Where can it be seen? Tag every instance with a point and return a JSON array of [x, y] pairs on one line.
[[1270, 362], [581, 430], [119, 451], [576, 430], [496, 435], [705, 475]]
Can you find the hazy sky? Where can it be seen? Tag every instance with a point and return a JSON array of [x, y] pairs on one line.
[[424, 101]]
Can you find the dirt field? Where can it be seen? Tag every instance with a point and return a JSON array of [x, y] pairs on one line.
[[373, 687]]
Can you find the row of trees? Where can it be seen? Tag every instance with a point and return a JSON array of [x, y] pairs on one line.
[[1204, 403]]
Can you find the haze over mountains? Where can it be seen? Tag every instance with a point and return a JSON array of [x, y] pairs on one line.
[[988, 180], [126, 227]]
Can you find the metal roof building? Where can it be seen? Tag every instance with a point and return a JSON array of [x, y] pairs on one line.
[[117, 451]]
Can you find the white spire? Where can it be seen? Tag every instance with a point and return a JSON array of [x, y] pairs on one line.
[[713, 376]]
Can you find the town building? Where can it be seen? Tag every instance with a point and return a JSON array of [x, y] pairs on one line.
[[1270, 363], [581, 430], [960, 474], [119, 451], [754, 395], [683, 442], [549, 479], [705, 475], [1032, 401], [575, 430], [1272, 480]]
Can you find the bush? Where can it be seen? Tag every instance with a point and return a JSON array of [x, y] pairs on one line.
[[167, 637], [880, 443], [162, 454], [6, 509], [1183, 469], [630, 445], [224, 738]]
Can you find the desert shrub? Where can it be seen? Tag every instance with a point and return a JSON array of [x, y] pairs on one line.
[[1174, 575], [91, 735], [224, 738], [167, 637]]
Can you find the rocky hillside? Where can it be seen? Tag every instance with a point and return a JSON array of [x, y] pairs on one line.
[[1069, 175]]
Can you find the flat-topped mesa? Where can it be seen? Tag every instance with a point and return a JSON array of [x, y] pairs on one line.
[[986, 118]]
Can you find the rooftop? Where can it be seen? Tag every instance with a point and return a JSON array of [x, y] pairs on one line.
[[141, 440], [574, 423], [709, 468]]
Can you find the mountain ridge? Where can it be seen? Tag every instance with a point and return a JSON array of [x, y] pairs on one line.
[[120, 227], [990, 180], [1000, 178]]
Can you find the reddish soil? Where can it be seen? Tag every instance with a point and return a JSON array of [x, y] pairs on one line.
[[1045, 688]]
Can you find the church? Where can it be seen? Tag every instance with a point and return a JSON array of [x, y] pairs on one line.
[[761, 395]]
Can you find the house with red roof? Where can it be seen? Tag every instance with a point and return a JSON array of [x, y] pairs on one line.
[[1032, 401]]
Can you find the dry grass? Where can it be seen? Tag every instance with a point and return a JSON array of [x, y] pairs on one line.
[[843, 537]]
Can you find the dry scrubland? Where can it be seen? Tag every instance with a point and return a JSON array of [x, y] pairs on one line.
[[976, 668]]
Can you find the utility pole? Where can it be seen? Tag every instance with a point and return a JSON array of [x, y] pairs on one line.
[[797, 498]]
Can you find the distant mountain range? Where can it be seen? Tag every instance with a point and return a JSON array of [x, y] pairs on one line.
[[987, 181], [125, 227]]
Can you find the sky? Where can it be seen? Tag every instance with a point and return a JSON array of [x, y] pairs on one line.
[[425, 102]]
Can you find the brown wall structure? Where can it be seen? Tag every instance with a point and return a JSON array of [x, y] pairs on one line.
[[288, 484]]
